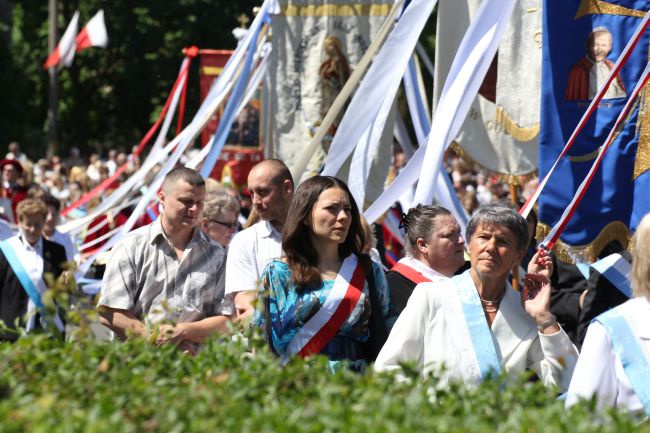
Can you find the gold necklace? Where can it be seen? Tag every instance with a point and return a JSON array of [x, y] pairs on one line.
[[491, 306]]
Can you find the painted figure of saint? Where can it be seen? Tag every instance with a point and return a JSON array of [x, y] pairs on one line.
[[590, 72], [334, 71]]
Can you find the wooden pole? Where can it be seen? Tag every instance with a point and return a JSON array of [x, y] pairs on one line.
[[52, 141], [515, 269]]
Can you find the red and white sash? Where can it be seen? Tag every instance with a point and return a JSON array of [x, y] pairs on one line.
[[416, 271], [336, 309], [410, 273]]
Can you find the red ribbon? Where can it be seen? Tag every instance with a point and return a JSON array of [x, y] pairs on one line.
[[190, 53]]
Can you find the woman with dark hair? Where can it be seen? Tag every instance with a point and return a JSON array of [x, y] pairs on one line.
[[434, 249], [474, 325], [324, 296]]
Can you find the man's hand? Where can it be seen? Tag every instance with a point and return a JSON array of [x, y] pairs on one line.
[[245, 306], [173, 334]]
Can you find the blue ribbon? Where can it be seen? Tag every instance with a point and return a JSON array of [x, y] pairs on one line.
[[230, 112], [629, 352], [22, 275], [422, 124], [477, 326], [609, 271]]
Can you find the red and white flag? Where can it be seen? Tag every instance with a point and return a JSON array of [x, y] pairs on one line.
[[94, 34], [64, 52]]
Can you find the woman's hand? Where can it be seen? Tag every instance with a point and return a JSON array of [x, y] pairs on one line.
[[541, 263], [536, 297]]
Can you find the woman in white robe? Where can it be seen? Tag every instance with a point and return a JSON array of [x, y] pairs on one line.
[[599, 371], [475, 323]]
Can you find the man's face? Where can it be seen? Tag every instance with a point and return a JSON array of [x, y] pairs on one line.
[[32, 227], [270, 200], [600, 46], [182, 204], [9, 174], [51, 221]]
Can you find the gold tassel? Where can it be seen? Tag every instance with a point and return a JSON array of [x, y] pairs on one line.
[[517, 132], [503, 177]]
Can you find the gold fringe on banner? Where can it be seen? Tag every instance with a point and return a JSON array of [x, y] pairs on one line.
[[615, 230], [338, 10], [517, 132], [599, 7], [503, 177], [642, 161]]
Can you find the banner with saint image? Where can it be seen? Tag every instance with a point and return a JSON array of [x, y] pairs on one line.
[[582, 41], [316, 45]]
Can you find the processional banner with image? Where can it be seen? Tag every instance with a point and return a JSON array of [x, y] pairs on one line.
[[245, 143], [501, 132], [582, 41], [316, 45]]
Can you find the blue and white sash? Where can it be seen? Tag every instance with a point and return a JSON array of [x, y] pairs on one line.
[[626, 347], [10, 248], [617, 270], [477, 326]]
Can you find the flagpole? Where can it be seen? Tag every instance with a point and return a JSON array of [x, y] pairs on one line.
[[52, 142]]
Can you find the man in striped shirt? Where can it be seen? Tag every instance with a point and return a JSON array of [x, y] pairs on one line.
[[168, 276]]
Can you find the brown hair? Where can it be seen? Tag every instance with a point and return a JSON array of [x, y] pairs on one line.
[[30, 207], [302, 256]]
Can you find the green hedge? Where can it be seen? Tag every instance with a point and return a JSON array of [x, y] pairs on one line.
[[49, 386]]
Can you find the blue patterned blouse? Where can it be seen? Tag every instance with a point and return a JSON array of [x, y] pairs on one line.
[[289, 309]]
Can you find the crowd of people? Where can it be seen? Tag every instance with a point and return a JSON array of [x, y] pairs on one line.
[[305, 270]]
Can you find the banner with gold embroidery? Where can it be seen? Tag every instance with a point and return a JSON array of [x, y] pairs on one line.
[[316, 45], [582, 40], [501, 131]]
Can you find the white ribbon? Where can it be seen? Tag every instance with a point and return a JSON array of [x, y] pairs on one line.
[[368, 109], [463, 81]]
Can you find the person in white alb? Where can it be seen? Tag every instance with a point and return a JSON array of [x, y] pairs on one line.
[[271, 186], [475, 324], [614, 363], [49, 230]]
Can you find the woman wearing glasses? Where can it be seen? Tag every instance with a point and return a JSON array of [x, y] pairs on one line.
[[219, 219]]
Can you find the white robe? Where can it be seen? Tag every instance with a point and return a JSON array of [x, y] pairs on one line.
[[599, 370], [431, 331]]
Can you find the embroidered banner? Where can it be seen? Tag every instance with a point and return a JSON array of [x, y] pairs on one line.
[[501, 131], [582, 39], [317, 44]]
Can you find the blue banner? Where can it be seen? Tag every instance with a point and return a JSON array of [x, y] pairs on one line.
[[582, 39]]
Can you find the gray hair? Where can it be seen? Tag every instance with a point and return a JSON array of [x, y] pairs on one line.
[[500, 214], [419, 223], [217, 202]]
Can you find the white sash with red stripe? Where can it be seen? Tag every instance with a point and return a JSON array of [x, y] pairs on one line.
[[336, 309]]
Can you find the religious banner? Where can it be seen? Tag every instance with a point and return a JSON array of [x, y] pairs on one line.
[[501, 131], [316, 45], [582, 40], [244, 146]]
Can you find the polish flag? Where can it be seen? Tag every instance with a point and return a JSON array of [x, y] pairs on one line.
[[64, 52], [94, 34]]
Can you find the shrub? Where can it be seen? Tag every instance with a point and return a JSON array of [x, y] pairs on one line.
[[48, 385]]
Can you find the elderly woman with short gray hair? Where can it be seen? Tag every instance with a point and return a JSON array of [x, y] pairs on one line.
[[219, 221], [475, 325]]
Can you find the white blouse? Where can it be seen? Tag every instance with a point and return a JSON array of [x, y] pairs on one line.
[[431, 331], [599, 371]]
